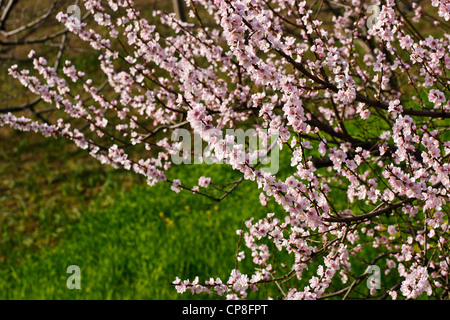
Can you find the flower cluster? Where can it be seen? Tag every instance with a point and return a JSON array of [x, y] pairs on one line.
[[361, 114]]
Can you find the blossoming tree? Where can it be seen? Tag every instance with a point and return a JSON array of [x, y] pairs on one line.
[[359, 105]]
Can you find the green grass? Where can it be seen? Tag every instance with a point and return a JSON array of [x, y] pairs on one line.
[[133, 246], [130, 250]]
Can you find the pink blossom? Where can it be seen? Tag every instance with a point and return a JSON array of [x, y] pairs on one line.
[[204, 182]]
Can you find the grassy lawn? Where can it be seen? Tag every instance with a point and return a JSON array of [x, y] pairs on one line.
[[129, 240]]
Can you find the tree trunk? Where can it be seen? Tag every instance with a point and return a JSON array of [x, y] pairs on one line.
[[179, 9]]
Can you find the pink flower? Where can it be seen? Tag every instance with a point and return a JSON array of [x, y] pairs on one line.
[[175, 185], [437, 97], [204, 182], [393, 295], [392, 229]]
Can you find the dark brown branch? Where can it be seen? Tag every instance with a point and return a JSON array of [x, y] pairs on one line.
[[6, 13], [375, 213], [30, 24]]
